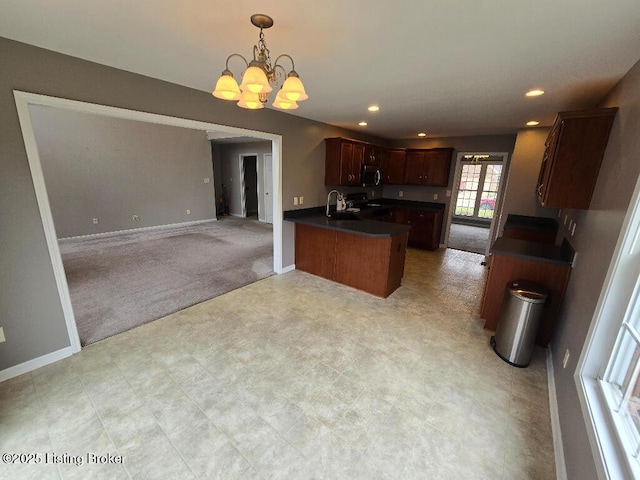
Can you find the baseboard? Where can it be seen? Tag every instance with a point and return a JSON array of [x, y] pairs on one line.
[[561, 469], [34, 364], [137, 230], [290, 268]]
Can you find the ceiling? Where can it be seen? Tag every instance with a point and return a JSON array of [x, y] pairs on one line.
[[447, 68]]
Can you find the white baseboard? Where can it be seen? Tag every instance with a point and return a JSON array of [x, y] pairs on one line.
[[34, 364], [561, 469], [289, 268], [137, 230]]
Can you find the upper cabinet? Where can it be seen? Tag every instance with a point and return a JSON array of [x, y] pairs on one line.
[[393, 165], [345, 157], [573, 153], [343, 161], [372, 155], [428, 167]]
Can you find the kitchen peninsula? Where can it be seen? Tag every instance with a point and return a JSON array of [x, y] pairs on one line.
[[364, 254]]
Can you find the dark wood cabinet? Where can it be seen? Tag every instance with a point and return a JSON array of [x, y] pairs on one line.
[[393, 166], [343, 162], [505, 269], [572, 157], [371, 264], [426, 225], [372, 155], [428, 167]]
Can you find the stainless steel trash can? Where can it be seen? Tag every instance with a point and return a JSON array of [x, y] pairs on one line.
[[518, 323]]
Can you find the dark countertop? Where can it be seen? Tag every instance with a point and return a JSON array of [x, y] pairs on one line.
[[541, 252], [531, 223], [316, 217], [369, 228]]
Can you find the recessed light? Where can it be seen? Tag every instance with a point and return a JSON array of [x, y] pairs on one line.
[[422, 134], [533, 123], [373, 108], [363, 124], [534, 93]]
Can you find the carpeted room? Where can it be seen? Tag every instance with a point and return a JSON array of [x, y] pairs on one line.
[[135, 209]]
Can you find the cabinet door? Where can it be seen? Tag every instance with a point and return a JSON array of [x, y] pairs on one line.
[[422, 229], [414, 169], [356, 164], [393, 173], [438, 165], [371, 155], [346, 159]]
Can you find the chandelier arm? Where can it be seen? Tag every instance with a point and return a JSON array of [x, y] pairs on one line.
[[276, 64], [276, 75], [236, 55]]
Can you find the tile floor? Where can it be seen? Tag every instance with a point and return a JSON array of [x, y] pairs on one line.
[[294, 377]]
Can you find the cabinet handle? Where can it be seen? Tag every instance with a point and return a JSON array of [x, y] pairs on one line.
[[540, 189]]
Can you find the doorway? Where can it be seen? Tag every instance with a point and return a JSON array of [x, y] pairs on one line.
[[476, 196], [250, 185], [24, 100]]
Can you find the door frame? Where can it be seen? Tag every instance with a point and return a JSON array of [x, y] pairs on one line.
[[24, 99], [497, 212]]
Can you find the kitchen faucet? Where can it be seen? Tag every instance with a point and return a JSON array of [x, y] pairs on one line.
[[340, 205]]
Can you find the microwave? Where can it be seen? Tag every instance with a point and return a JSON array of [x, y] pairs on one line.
[[370, 176]]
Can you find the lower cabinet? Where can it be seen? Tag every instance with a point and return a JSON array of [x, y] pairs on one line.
[[372, 264], [426, 225]]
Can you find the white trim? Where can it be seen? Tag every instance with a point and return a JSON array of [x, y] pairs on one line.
[[290, 268], [138, 230], [561, 468], [35, 363], [24, 99], [499, 196]]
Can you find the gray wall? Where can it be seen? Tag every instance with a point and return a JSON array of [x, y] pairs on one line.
[[110, 169], [230, 169], [30, 309], [520, 197], [595, 238]]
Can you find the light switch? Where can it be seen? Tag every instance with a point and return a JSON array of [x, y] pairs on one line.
[[2, 339], [295, 200], [207, 180], [401, 194]]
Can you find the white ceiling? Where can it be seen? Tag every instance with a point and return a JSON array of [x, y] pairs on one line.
[[457, 67]]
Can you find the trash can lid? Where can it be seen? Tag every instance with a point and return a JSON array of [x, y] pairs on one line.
[[529, 291]]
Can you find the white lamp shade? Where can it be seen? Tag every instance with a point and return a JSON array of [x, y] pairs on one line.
[[255, 81], [293, 89], [227, 88], [283, 103], [250, 100]]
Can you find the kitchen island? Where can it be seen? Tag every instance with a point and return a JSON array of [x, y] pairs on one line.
[[365, 254]]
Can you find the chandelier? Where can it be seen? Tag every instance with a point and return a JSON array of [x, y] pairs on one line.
[[260, 74]]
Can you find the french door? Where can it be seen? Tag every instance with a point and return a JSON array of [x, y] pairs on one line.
[[478, 190]]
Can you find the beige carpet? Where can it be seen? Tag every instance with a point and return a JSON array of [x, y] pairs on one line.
[[120, 282]]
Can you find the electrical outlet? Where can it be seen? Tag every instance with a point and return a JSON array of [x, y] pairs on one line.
[[2, 339], [435, 196], [301, 200], [573, 229], [95, 221], [207, 180], [448, 193], [188, 212], [373, 193], [295, 200], [401, 194], [565, 360], [136, 218]]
